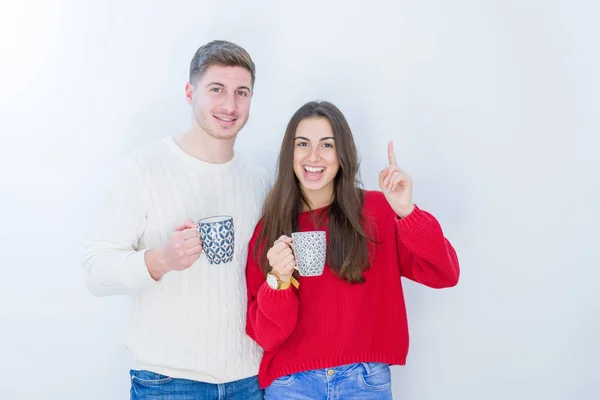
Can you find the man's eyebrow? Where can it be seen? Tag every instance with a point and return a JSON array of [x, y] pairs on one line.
[[221, 85]]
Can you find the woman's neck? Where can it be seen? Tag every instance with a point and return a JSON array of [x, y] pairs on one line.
[[316, 199]]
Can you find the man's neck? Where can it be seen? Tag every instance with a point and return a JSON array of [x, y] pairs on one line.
[[202, 146]]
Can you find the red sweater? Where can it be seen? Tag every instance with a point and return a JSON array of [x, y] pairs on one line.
[[328, 322]]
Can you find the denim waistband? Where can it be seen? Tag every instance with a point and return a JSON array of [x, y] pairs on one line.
[[358, 368]]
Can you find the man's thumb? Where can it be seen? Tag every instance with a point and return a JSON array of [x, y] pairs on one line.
[[186, 224]]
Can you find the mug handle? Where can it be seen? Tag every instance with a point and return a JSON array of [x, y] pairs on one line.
[[294, 253], [202, 244]]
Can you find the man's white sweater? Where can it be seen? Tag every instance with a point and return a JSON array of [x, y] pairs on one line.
[[190, 324]]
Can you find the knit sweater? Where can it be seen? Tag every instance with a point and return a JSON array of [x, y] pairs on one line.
[[189, 324], [329, 322]]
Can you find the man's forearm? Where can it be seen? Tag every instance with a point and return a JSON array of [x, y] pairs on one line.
[[110, 270]]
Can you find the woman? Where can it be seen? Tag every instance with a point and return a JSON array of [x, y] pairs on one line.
[[335, 335]]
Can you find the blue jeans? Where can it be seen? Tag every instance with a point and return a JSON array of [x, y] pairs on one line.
[[149, 385], [364, 381]]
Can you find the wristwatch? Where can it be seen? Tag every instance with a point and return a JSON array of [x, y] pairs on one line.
[[275, 283]]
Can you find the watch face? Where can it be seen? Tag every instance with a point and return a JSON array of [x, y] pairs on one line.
[[272, 281]]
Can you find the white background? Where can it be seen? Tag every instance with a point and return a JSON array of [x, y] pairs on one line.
[[493, 107]]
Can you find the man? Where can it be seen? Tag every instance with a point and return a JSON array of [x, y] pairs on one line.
[[187, 332]]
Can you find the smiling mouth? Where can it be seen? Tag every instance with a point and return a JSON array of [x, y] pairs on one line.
[[313, 173], [225, 120]]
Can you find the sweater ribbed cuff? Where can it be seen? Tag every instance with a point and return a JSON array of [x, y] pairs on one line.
[[416, 220], [275, 303], [136, 275]]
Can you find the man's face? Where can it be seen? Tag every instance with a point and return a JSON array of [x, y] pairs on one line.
[[220, 100]]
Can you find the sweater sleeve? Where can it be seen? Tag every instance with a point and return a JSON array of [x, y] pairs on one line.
[[425, 255], [272, 314], [113, 262]]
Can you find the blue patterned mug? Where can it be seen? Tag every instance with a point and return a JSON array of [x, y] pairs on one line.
[[217, 238]]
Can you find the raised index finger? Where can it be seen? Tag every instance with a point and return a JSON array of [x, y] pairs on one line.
[[391, 154]]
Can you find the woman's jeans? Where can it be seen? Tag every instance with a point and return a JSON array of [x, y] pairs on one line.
[[364, 381]]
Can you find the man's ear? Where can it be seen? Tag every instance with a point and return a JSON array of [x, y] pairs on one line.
[[189, 93]]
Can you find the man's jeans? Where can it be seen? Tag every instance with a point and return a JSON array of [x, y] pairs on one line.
[[362, 381], [149, 385]]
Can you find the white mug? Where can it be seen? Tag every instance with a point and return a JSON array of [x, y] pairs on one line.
[[310, 250]]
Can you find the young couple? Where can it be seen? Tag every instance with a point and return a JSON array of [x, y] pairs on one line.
[[252, 327]]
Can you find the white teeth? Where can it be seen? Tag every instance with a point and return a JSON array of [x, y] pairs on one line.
[[313, 169], [224, 119]]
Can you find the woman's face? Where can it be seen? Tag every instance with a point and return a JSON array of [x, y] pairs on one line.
[[315, 157]]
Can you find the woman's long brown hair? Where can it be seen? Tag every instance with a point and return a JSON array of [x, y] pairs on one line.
[[347, 248]]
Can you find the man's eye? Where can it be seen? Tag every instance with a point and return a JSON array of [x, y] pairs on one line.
[[242, 93]]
